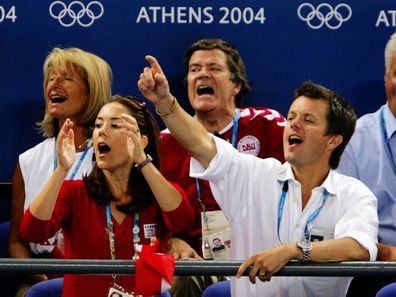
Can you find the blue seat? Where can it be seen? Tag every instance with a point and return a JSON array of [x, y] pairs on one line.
[[49, 288], [387, 291], [4, 231], [220, 289]]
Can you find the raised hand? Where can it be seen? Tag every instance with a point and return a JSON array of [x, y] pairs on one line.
[[154, 86], [65, 149], [136, 142]]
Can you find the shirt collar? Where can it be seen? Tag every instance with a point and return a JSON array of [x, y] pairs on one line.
[[390, 121], [286, 173]]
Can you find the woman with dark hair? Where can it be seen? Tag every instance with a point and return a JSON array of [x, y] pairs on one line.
[[125, 201]]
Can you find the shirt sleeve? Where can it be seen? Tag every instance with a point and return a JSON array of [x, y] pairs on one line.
[[359, 219], [38, 231], [348, 165], [215, 173], [234, 177], [181, 219]]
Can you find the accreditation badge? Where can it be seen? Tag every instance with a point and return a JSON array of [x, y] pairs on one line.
[[216, 236], [118, 291]]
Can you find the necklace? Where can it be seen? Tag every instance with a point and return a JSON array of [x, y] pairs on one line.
[[81, 146]]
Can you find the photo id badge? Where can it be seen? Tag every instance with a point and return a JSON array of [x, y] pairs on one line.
[[220, 243], [215, 228]]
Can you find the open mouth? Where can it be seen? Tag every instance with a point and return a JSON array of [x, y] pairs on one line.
[[203, 90], [58, 99], [103, 148], [293, 139]]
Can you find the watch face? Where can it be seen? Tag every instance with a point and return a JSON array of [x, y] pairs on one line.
[[304, 244]]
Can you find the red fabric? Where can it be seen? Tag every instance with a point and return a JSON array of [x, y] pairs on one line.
[[83, 223], [152, 268], [265, 125]]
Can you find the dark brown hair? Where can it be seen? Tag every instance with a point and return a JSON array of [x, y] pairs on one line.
[[138, 187]]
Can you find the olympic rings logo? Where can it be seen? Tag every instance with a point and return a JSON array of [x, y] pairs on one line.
[[324, 14], [76, 12]]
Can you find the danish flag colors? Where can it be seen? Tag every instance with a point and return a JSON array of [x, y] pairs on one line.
[[154, 271]]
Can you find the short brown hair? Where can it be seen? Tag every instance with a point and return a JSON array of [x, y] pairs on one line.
[[341, 118]]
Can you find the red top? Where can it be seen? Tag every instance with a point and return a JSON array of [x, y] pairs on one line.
[[260, 132], [83, 224]]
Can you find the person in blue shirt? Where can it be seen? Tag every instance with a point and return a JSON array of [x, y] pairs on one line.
[[371, 157]]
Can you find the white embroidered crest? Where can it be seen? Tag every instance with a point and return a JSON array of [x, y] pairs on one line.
[[249, 145]]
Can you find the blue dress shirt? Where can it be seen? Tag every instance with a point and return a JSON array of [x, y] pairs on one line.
[[367, 157]]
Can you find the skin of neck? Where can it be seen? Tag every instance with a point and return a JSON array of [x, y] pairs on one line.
[[79, 136], [117, 182], [215, 121], [310, 178], [392, 106]]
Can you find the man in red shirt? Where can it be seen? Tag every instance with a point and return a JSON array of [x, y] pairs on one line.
[[216, 84]]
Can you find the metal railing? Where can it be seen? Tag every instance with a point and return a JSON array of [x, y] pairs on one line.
[[226, 268]]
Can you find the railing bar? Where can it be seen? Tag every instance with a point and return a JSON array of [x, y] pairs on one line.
[[294, 268]]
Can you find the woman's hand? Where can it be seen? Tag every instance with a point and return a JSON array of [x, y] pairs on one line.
[[65, 149], [136, 142]]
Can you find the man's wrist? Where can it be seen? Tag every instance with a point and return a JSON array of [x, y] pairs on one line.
[[171, 108], [306, 247]]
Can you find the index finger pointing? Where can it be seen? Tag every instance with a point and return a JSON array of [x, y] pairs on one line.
[[155, 66]]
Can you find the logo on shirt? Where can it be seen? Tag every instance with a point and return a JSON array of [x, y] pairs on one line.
[[150, 230], [249, 145]]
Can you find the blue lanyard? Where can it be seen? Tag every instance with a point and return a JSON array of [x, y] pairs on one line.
[[235, 128], [110, 232], [389, 149], [233, 142], [312, 217], [88, 146]]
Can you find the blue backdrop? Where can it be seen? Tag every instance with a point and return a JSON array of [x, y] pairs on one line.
[[336, 43]]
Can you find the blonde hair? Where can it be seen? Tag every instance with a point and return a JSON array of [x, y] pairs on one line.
[[97, 75], [389, 49]]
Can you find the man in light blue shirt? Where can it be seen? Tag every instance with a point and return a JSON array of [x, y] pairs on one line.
[[371, 157]]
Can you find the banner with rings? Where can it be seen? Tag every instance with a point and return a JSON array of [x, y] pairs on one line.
[[339, 44]]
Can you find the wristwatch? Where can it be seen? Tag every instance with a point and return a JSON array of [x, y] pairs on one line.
[[306, 247], [144, 163]]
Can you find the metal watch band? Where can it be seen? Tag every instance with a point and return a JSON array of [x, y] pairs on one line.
[[305, 246]]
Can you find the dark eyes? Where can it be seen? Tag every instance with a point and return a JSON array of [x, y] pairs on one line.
[[113, 125], [193, 70], [197, 69]]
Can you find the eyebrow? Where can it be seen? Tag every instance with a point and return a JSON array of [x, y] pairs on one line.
[[210, 64], [304, 114], [112, 118]]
